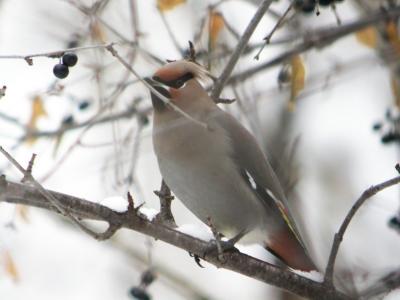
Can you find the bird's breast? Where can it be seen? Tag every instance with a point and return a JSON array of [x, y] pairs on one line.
[[196, 164]]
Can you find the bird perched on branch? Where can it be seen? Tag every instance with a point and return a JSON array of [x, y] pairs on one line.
[[219, 171]]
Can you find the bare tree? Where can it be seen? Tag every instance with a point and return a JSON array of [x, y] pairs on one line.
[[115, 54]]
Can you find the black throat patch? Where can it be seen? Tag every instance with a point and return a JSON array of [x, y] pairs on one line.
[[159, 104]]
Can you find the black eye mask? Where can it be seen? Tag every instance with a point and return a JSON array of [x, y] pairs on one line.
[[176, 83]]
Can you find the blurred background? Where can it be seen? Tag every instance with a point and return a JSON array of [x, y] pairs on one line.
[[328, 119]]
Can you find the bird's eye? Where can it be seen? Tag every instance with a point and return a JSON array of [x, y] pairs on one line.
[[179, 83], [176, 83]]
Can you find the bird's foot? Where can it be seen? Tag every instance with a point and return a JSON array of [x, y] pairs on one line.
[[218, 247]]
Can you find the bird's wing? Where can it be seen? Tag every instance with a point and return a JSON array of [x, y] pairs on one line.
[[256, 169]]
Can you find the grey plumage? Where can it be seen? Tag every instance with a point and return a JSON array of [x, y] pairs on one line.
[[220, 172]]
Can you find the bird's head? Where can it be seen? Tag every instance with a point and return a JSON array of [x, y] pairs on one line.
[[177, 80], [177, 73]]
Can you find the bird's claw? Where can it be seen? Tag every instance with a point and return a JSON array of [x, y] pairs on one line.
[[220, 248]]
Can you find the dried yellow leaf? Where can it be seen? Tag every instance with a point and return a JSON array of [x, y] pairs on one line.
[[216, 24], [22, 212], [164, 5], [97, 32], [37, 112], [395, 91], [393, 36], [368, 37], [10, 267], [297, 79]]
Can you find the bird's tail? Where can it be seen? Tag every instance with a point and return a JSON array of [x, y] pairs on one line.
[[287, 247]]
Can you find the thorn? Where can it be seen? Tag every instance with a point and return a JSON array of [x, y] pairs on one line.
[[29, 60], [131, 205], [397, 166], [29, 168]]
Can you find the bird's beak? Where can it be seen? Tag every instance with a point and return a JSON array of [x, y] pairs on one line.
[[159, 86], [158, 104]]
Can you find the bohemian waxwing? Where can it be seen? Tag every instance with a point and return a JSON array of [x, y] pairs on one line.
[[218, 171]]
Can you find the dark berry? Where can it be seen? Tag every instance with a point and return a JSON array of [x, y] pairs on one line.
[[147, 278], [144, 119], [377, 126], [388, 138], [68, 120], [284, 75], [72, 44], [139, 294], [394, 223], [60, 71], [306, 6], [69, 59], [84, 104], [325, 2]]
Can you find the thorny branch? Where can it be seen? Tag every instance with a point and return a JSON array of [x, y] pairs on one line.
[[113, 227], [76, 209]]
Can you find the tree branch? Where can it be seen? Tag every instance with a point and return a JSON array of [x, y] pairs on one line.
[[319, 39], [384, 285], [221, 81], [339, 235], [53, 201], [126, 114], [235, 261]]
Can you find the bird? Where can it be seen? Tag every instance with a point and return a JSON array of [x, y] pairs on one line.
[[218, 171]]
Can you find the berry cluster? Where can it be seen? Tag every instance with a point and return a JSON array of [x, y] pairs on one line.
[[61, 70], [390, 127], [308, 6], [139, 292]]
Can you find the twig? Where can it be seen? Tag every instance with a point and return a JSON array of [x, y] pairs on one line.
[[339, 235], [12, 120], [319, 39], [153, 90], [336, 14], [219, 85], [29, 168], [165, 215], [131, 205], [127, 114], [52, 54], [113, 227], [176, 281], [384, 285], [277, 25]]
